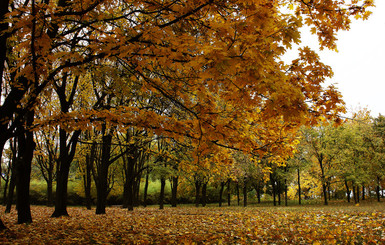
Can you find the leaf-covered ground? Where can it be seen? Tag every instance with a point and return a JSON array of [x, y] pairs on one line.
[[210, 225]]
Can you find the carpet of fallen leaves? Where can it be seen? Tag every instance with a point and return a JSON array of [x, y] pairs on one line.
[[210, 225]]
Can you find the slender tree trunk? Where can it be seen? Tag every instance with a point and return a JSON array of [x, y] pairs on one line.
[[161, 195], [299, 186], [174, 191], [238, 194], [258, 190], [347, 190], [146, 188], [358, 193], [87, 181], [11, 191], [221, 193], [272, 180], [245, 192], [6, 189], [279, 191], [363, 192], [378, 189], [197, 192], [229, 192], [87, 185], [286, 204]]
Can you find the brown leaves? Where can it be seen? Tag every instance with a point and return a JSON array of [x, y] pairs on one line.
[[188, 225]]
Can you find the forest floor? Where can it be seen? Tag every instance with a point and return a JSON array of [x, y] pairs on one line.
[[334, 224]]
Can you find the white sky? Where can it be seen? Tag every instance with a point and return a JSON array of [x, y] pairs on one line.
[[360, 63]]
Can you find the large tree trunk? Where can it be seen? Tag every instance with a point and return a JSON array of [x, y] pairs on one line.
[[197, 192], [102, 183], [67, 153], [26, 147], [161, 194], [49, 190], [204, 196], [221, 193], [174, 191]]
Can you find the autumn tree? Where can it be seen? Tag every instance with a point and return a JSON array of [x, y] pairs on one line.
[[198, 55]]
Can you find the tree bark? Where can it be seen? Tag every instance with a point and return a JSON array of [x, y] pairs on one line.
[[11, 191], [26, 147], [146, 188], [204, 196], [272, 180], [221, 193], [378, 189], [245, 192], [102, 183], [229, 192], [347, 190], [67, 153], [299, 186], [197, 192], [161, 194], [174, 191]]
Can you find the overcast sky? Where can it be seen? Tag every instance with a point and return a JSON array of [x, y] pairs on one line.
[[359, 66]]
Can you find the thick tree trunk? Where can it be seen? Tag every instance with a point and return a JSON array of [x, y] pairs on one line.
[[61, 190], [102, 183], [325, 193], [174, 191], [197, 193], [161, 194], [222, 188], [26, 147], [204, 196], [363, 192], [67, 153], [49, 190]]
